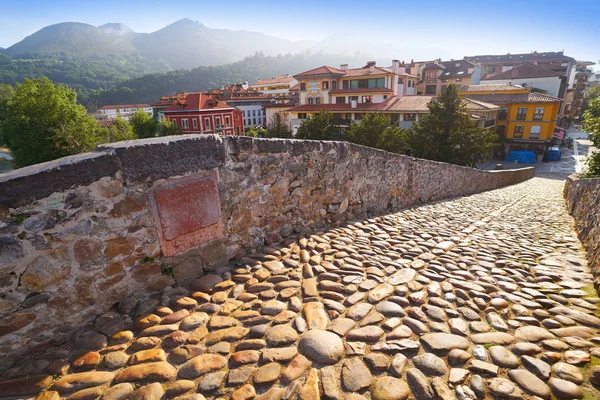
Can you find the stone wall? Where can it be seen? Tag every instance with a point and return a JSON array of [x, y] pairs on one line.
[[583, 202], [80, 234]]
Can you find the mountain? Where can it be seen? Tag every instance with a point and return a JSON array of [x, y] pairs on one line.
[[183, 44], [77, 39]]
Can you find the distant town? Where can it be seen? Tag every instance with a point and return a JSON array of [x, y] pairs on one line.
[[527, 99]]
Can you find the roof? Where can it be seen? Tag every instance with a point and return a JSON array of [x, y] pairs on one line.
[[412, 104], [523, 71], [367, 71], [295, 88], [457, 69], [363, 90], [529, 97], [492, 87], [340, 107], [110, 107], [517, 58], [477, 105], [433, 65], [324, 70], [195, 102], [272, 81]]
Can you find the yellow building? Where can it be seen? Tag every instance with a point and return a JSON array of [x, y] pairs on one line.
[[526, 119]]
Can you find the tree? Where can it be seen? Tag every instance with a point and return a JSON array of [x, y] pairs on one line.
[[6, 91], [257, 132], [118, 131], [167, 128], [43, 121], [591, 124], [318, 127], [143, 124], [447, 133], [278, 127], [375, 130]]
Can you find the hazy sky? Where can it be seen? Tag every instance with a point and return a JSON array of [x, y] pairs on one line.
[[447, 29]]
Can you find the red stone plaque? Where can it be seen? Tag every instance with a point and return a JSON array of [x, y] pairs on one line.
[[187, 211]]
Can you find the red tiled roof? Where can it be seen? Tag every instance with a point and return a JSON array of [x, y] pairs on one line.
[[272, 81], [491, 87], [339, 107], [364, 90], [110, 107], [324, 70], [196, 102], [367, 71], [523, 71], [409, 104]]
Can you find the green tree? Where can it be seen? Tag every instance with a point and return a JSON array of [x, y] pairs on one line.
[[143, 124], [257, 132], [591, 124], [6, 91], [118, 131], [167, 128], [43, 121], [318, 127], [447, 133], [278, 127], [375, 130]]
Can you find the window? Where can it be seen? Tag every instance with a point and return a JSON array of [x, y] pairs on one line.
[[430, 74], [538, 114], [325, 85], [522, 114], [207, 123], [535, 132], [317, 100], [430, 89], [410, 117], [340, 100], [244, 114], [311, 100], [519, 131], [400, 81], [503, 114], [385, 96], [353, 98], [227, 122], [174, 122], [367, 99], [301, 115], [334, 84], [303, 87], [236, 117], [218, 122], [254, 113], [195, 123], [253, 121]]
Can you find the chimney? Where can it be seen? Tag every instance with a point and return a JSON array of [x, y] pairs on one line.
[[371, 65], [344, 67], [412, 61], [395, 66]]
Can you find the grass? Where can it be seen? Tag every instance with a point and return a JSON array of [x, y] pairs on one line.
[[166, 270], [589, 391]]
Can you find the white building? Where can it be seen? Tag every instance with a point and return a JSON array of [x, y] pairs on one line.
[[112, 112], [279, 86], [530, 76], [252, 107]]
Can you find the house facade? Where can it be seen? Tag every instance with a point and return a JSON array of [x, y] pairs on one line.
[[526, 119], [582, 76], [124, 111], [530, 76], [273, 87], [199, 113]]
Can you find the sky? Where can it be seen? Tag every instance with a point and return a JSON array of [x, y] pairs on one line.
[[417, 29]]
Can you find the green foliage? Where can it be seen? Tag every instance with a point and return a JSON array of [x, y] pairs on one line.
[[166, 270], [318, 126], [6, 91], [118, 131], [591, 124], [42, 122], [447, 134], [375, 130], [143, 124], [167, 128], [278, 127], [147, 260], [257, 132]]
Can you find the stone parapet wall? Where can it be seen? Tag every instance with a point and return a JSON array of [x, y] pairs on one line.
[[80, 234], [583, 203]]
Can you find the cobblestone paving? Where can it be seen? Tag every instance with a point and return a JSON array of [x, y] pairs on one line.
[[482, 297]]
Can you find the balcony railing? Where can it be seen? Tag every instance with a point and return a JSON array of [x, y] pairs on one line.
[[340, 121], [488, 123]]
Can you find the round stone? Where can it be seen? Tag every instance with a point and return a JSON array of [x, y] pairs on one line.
[[320, 346], [388, 388]]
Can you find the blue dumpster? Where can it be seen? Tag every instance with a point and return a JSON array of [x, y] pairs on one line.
[[553, 154], [522, 156]]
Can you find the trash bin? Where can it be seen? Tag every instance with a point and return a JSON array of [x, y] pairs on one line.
[[498, 166]]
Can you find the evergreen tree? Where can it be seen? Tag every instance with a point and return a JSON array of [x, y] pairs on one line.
[[143, 124], [318, 127], [278, 127], [375, 130], [447, 133]]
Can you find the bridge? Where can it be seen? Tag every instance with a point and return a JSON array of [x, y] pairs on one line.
[[238, 268]]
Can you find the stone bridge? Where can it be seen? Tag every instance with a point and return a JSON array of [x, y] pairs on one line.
[[213, 267]]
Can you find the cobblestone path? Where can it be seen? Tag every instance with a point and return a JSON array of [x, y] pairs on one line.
[[482, 297]]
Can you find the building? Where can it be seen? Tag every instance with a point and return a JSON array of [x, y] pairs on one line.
[[581, 83], [199, 113], [434, 76], [279, 86], [124, 111], [280, 105], [252, 108], [532, 76], [526, 119], [555, 61]]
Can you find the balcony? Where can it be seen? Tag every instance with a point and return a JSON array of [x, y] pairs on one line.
[[430, 80], [341, 122], [489, 123]]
